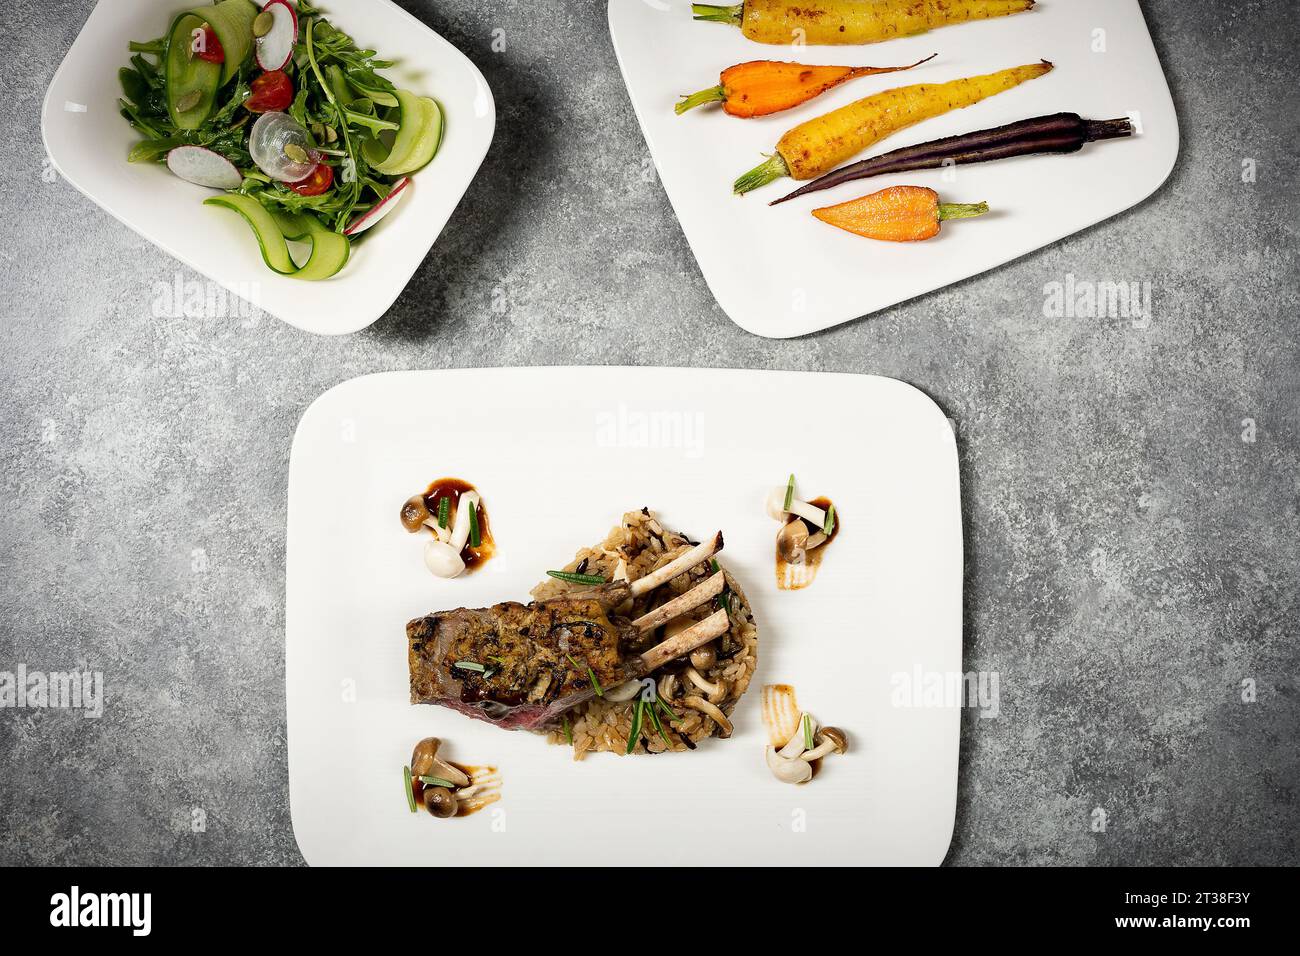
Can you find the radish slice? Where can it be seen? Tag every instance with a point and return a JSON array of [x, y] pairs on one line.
[[203, 167], [266, 143], [379, 210], [276, 48]]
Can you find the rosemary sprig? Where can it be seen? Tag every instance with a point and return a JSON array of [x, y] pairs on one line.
[[668, 711], [410, 791], [789, 494], [591, 675], [444, 511], [654, 719], [437, 782], [574, 577], [568, 731], [474, 539], [830, 521], [637, 714]]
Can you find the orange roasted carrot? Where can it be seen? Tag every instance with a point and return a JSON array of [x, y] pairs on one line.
[[760, 87], [898, 214]]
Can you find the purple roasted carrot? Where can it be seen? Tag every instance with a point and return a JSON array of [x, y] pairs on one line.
[[1058, 133]]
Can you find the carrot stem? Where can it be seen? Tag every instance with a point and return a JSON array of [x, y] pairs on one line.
[[768, 171], [961, 210], [714, 94], [715, 13]]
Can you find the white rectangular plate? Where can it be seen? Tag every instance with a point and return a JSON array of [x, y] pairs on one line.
[[777, 271], [559, 455], [88, 142]]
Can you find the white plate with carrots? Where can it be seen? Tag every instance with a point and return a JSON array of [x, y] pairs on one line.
[[960, 138]]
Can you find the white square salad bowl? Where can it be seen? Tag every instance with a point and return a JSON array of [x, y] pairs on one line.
[[88, 141]]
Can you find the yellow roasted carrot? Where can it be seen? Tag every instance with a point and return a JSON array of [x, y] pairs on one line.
[[816, 147], [850, 21]]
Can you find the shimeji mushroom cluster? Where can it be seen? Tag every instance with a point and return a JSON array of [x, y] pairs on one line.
[[794, 762], [446, 786], [442, 555], [794, 540]]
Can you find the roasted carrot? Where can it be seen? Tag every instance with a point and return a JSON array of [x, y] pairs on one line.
[[760, 87], [820, 144], [849, 21], [898, 214]]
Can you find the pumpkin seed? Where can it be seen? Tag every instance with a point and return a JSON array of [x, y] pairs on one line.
[[189, 101], [262, 23], [296, 153]]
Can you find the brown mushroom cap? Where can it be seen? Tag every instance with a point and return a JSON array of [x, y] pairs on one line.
[[792, 541], [440, 801], [425, 762], [414, 513], [702, 658], [424, 756], [829, 740], [837, 736]]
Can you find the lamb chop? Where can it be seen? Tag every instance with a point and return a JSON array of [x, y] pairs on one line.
[[522, 666]]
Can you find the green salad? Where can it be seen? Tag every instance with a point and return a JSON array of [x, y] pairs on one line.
[[285, 114]]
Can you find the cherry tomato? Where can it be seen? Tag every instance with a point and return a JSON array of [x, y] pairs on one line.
[[210, 48], [321, 179], [272, 92]]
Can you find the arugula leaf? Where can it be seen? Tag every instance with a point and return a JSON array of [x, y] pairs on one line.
[[151, 150]]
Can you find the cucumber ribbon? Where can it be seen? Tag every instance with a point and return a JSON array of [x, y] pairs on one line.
[[329, 249], [232, 22]]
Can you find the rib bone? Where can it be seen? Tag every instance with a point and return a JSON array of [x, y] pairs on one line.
[[705, 591], [701, 552], [697, 635]]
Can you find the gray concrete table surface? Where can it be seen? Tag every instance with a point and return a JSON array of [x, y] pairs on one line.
[[1131, 489]]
